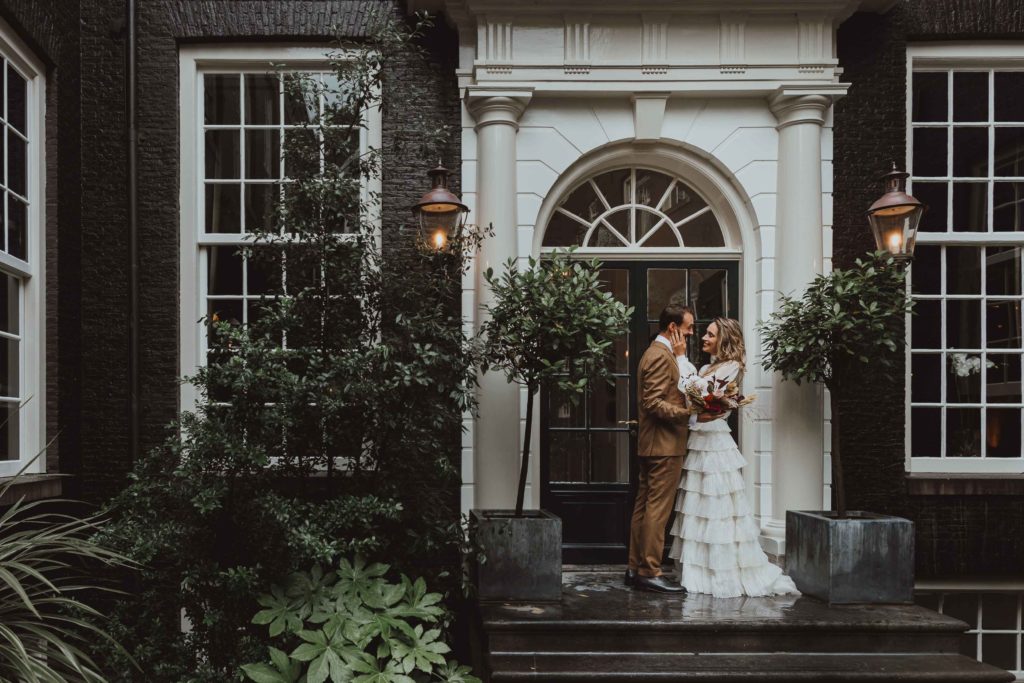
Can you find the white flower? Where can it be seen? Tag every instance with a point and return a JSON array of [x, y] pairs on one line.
[[965, 365]]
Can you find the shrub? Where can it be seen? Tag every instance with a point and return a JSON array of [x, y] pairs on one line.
[[352, 625]]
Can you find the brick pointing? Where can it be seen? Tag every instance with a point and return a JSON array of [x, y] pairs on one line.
[[956, 535]]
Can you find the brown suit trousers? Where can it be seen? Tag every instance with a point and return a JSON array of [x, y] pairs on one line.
[[661, 447]]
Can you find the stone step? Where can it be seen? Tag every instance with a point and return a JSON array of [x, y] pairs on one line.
[[661, 667]]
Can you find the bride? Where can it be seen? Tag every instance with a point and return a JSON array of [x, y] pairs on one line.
[[714, 535]]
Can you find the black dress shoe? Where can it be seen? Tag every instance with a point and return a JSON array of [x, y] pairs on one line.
[[658, 584], [630, 577]]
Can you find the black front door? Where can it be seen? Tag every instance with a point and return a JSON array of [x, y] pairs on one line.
[[588, 471]]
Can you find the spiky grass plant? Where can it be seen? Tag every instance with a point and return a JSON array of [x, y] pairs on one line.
[[46, 558]]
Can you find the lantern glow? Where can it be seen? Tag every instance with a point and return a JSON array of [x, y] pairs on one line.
[[440, 213], [894, 217]]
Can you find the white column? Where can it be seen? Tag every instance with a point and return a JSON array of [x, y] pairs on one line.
[[496, 447], [797, 424]]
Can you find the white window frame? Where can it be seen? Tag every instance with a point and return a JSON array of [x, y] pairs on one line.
[[194, 62], [957, 56], [32, 346]]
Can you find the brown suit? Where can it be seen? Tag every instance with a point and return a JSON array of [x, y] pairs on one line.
[[661, 443]]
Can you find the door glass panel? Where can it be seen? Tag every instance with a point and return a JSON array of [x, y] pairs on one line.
[[616, 281], [567, 455], [709, 292], [610, 459], [665, 286], [609, 403]]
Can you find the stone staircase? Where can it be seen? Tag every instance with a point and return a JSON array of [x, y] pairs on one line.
[[602, 631]]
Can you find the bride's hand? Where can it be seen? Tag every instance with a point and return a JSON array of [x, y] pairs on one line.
[[678, 340]]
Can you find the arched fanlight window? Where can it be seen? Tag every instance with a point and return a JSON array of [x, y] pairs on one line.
[[633, 207]]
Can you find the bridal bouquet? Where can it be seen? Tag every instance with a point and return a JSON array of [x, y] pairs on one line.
[[713, 395]]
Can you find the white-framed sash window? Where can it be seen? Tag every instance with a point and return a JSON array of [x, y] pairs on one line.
[[965, 154], [236, 114], [22, 280]]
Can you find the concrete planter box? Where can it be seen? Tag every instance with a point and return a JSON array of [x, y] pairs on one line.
[[524, 555], [866, 558]]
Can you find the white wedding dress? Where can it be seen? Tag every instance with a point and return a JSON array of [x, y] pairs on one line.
[[714, 535]]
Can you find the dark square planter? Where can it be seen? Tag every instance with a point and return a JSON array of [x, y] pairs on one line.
[[524, 555], [865, 558]]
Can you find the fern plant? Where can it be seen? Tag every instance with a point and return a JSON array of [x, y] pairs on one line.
[[45, 621], [353, 625]]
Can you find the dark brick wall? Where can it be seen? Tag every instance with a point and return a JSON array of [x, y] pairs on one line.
[[49, 28], [84, 42], [956, 535]]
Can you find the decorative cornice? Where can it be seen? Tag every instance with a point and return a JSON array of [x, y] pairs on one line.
[[494, 43], [731, 43], [577, 44], [654, 43], [497, 107]]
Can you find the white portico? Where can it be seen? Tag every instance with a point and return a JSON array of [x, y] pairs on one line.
[[730, 101]]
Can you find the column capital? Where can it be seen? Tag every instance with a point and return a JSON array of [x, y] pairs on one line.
[[794, 105], [493, 107]]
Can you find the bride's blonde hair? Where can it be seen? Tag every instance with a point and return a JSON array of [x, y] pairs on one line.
[[730, 342]]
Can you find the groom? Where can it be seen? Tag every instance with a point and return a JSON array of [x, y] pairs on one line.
[[661, 445]]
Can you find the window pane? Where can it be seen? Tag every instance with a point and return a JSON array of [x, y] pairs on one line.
[[563, 411], [926, 325], [222, 154], [17, 163], [609, 457], [709, 296], [17, 99], [970, 96], [341, 150], [263, 266], [924, 437], [662, 237], [999, 611], [1008, 100], [682, 202], [963, 378], [930, 152], [963, 433], [934, 196], [616, 281], [651, 187], [261, 99], [603, 237], [10, 431], [929, 100], [609, 403], [665, 286], [925, 271], [17, 227], [10, 306], [563, 231], [963, 324], [301, 153], [567, 456], [1002, 434], [1008, 207], [1003, 270], [263, 154], [300, 99], [970, 152], [10, 365], [260, 200], [925, 376], [1003, 378], [225, 271], [1003, 324], [220, 99], [223, 208], [970, 208], [223, 310], [1009, 152], [999, 649], [584, 203], [963, 270], [962, 606], [702, 231], [614, 185]]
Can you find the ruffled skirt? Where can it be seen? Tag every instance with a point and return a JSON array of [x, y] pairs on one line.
[[714, 535]]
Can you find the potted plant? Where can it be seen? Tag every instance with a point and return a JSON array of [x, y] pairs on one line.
[[550, 325], [850, 321]]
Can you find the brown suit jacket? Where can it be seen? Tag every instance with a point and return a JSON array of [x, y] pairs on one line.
[[662, 411]]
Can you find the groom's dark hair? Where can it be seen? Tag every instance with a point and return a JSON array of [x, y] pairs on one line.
[[673, 313]]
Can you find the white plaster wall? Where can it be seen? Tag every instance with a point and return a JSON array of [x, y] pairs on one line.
[[739, 135]]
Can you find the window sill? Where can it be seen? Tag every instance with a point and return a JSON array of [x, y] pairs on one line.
[[31, 487], [932, 484]]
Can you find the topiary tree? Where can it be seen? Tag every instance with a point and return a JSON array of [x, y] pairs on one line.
[[550, 325], [845, 321]]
